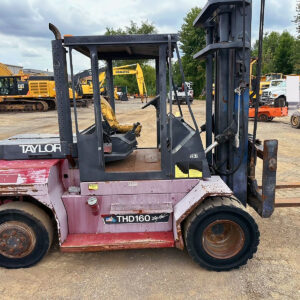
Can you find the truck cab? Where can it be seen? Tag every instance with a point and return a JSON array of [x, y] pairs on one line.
[[275, 94], [183, 92]]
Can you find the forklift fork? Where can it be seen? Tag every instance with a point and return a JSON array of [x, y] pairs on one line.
[[262, 198]]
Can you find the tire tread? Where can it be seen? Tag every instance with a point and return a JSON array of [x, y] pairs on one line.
[[40, 218], [202, 209]]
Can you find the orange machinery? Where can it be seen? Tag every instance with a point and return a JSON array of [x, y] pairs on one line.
[[268, 113]]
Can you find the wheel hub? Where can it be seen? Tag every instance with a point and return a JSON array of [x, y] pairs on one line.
[[16, 239], [223, 239], [294, 121]]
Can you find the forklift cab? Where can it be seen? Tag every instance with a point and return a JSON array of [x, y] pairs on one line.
[[103, 156]]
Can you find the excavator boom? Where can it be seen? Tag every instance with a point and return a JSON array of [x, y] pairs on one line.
[[87, 87], [5, 71]]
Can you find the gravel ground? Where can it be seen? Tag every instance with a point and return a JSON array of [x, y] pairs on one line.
[[273, 273]]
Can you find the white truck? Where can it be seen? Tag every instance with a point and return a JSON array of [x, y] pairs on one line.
[[181, 93], [275, 94], [284, 92]]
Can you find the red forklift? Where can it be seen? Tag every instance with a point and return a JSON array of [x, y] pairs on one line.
[[96, 190]]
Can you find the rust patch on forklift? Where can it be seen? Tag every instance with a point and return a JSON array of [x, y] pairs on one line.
[[117, 241], [19, 189]]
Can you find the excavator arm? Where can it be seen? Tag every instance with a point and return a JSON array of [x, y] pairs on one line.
[[125, 70], [86, 89], [141, 81]]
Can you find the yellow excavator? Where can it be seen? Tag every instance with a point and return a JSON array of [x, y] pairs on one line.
[[265, 80], [84, 84], [4, 70], [27, 92], [138, 72]]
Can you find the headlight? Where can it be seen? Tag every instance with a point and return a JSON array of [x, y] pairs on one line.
[[275, 95]]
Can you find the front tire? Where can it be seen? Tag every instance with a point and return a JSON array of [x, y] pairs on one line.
[[280, 102], [26, 234], [220, 234]]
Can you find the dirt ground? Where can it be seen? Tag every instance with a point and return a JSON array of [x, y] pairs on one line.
[[273, 273]]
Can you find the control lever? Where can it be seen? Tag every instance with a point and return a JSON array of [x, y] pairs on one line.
[[203, 128], [228, 133]]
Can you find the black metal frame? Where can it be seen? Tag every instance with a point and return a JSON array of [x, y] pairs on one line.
[[227, 53], [186, 151]]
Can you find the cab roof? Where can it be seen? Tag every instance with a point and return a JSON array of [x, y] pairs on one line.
[[134, 46]]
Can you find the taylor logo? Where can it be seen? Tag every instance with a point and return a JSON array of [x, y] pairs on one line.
[[48, 148]]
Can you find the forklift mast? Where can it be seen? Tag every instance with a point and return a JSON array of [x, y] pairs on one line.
[[227, 54]]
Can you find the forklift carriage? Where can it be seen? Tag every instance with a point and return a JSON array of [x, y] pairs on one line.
[[104, 193]]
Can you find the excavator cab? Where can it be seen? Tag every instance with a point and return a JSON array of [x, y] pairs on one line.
[[13, 85]]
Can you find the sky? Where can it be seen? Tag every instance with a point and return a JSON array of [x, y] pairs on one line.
[[25, 39]]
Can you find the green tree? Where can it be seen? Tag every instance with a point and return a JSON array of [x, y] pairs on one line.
[[283, 56], [149, 72], [133, 28], [296, 56], [192, 40], [280, 53], [270, 42]]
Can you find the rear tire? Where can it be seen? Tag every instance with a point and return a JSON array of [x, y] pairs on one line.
[[295, 120], [263, 118], [220, 234], [26, 235]]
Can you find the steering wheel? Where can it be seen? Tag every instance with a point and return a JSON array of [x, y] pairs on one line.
[[152, 102]]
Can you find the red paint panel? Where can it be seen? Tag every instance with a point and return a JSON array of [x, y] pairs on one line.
[[117, 241], [140, 186], [80, 219], [25, 164], [8, 178], [26, 171]]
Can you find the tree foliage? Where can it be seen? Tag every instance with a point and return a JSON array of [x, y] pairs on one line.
[[283, 56], [280, 53], [149, 72], [191, 41], [133, 28]]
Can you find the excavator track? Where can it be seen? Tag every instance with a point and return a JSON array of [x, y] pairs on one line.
[[42, 106], [11, 105]]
